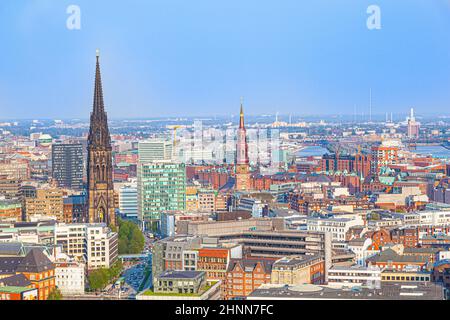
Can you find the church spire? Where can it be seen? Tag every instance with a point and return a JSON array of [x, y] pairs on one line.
[[99, 164], [99, 106], [241, 123], [99, 131]]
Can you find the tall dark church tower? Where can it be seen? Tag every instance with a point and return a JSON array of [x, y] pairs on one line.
[[100, 178]]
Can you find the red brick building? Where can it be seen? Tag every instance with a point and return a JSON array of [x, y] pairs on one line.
[[214, 261], [409, 237], [246, 275]]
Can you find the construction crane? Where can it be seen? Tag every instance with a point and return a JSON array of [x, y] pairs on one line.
[[175, 129]]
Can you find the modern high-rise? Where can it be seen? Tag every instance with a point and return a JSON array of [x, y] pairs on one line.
[[242, 160], [155, 149], [128, 201], [161, 187], [100, 178], [67, 165]]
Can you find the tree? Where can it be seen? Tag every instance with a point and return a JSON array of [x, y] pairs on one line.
[[99, 279], [115, 270], [131, 239], [55, 294], [137, 242]]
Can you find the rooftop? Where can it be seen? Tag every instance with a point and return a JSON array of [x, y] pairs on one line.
[[295, 260], [180, 274], [387, 291], [15, 289]]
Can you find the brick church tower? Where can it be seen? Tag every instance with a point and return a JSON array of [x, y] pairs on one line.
[[99, 164], [242, 160]]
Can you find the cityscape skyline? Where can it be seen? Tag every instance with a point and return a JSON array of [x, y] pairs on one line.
[[211, 200], [295, 65]]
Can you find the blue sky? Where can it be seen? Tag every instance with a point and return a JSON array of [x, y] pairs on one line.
[[178, 57]]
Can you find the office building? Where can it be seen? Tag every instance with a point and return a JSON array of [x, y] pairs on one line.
[[155, 150], [67, 165], [293, 270], [128, 201], [161, 187], [48, 204], [357, 275], [387, 291], [93, 244]]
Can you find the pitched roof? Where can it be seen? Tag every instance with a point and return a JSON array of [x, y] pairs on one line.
[[8, 265], [390, 255], [216, 252], [18, 280], [35, 261], [10, 249], [248, 265]]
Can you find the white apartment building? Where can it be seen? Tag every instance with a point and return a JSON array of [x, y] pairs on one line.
[[72, 238], [354, 276], [337, 227], [102, 246], [93, 244], [424, 218], [359, 247], [385, 223], [70, 277]]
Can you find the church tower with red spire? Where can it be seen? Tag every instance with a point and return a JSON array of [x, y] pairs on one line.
[[242, 161], [99, 164]]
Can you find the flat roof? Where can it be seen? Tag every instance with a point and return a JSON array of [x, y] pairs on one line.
[[387, 291], [180, 274], [15, 289]]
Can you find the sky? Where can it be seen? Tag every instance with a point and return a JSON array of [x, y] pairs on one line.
[[176, 58]]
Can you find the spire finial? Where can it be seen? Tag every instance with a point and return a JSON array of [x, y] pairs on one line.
[[97, 53], [241, 122]]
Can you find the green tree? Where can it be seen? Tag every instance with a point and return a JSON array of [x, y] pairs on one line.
[[99, 279], [131, 239], [115, 270], [55, 294]]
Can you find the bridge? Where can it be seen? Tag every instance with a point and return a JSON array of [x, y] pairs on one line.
[[124, 257]]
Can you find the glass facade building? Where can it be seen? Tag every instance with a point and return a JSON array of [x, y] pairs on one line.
[[161, 188]]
